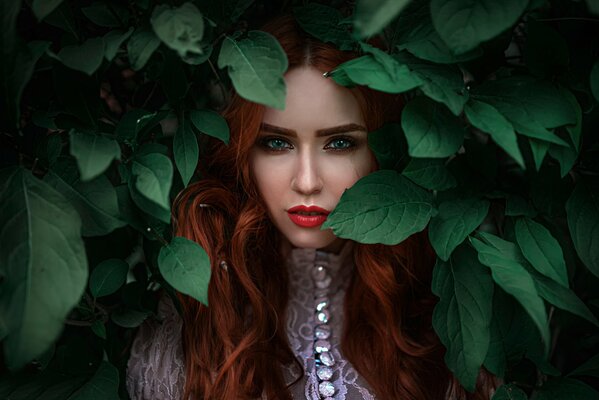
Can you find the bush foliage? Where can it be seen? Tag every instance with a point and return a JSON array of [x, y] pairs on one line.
[[104, 106]]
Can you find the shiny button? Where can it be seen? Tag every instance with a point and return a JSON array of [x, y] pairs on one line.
[[321, 346], [326, 388], [322, 332], [324, 373]]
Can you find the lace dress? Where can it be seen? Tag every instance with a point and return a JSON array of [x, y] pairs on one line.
[[156, 365]]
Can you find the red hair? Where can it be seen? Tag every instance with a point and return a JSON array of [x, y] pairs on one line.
[[234, 347]]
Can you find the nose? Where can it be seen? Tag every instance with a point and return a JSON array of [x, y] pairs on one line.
[[307, 178]]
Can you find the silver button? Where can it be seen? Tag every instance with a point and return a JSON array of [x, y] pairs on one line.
[[321, 302], [321, 346], [323, 316], [327, 359], [319, 273], [324, 283], [326, 388], [322, 332], [324, 373]]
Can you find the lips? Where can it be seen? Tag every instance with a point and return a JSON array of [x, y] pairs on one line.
[[307, 221]]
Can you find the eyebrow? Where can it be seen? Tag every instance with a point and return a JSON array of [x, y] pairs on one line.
[[319, 133]]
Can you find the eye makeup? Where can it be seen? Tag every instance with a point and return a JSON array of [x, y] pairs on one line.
[[337, 144]]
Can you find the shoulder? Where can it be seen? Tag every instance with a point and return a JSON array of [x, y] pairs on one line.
[[156, 366]]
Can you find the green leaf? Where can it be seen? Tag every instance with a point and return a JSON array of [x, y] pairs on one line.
[[486, 118], [582, 209], [593, 6], [541, 250], [185, 266], [129, 318], [113, 41], [107, 277], [507, 268], [43, 254], [131, 124], [539, 149], [324, 23], [383, 207], [372, 16], [594, 80], [422, 40], [93, 153], [509, 392], [106, 15], [388, 145], [150, 184], [464, 24], [442, 83], [103, 385], [211, 123], [256, 66], [141, 46], [430, 128], [566, 156], [429, 173], [181, 29], [463, 315], [589, 368], [99, 329], [95, 201], [185, 148], [456, 219], [42, 8], [86, 58], [532, 106], [566, 388], [561, 297], [369, 71]]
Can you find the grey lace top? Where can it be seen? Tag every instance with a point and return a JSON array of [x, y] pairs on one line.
[[156, 368]]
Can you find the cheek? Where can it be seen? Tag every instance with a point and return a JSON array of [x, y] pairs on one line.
[[269, 180]]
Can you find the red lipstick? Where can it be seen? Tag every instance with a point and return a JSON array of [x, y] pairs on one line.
[[307, 221]]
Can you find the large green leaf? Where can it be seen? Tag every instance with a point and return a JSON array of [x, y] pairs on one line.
[[486, 118], [95, 201], [108, 276], [463, 315], [150, 184], [185, 147], [464, 24], [582, 209], [507, 267], [372, 16], [256, 66], [566, 388], [369, 71], [211, 123], [456, 219], [41, 8], [442, 83], [541, 250], [86, 58], [93, 153], [430, 173], [43, 255], [181, 28], [383, 207], [186, 266], [430, 129], [532, 106], [102, 386], [113, 41], [108, 15], [141, 46], [509, 392], [324, 23], [588, 368], [561, 297], [422, 40]]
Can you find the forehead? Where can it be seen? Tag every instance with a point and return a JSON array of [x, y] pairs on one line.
[[314, 102]]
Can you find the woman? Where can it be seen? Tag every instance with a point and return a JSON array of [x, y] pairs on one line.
[[295, 312]]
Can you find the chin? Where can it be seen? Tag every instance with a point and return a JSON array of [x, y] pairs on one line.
[[315, 240]]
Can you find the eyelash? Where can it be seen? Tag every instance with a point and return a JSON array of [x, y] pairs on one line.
[[264, 143]]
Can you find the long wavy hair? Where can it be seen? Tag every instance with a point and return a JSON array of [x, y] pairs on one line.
[[234, 348]]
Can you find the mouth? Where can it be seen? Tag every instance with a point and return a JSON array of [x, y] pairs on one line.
[[307, 217]]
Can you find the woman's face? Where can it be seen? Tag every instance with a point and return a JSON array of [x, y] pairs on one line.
[[308, 154]]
